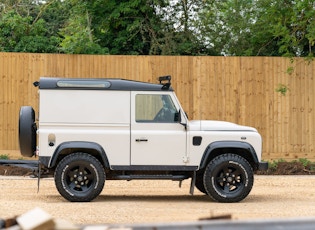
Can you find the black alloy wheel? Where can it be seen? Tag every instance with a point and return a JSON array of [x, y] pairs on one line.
[[79, 177], [228, 178]]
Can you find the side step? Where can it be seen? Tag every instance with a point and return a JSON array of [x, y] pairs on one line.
[[148, 177]]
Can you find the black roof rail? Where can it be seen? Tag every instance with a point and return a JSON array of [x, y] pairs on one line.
[[57, 83]]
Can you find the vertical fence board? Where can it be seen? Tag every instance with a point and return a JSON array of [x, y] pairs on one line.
[[311, 111]]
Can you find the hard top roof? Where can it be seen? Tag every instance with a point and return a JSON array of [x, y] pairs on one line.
[[100, 84]]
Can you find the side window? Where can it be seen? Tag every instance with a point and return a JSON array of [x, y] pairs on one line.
[[154, 108]]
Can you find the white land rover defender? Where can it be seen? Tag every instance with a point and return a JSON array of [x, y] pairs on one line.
[[92, 130]]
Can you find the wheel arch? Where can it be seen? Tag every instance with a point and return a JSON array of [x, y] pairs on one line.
[[69, 147], [240, 148]]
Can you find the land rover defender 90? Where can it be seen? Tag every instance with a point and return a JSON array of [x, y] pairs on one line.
[[91, 130]]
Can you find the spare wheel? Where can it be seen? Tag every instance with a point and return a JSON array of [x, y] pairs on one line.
[[27, 131]]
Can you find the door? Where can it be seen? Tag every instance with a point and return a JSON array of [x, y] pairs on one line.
[[157, 137]]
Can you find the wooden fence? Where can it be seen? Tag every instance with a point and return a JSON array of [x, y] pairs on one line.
[[236, 89]]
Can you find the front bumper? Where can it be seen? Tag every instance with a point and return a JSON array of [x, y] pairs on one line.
[[263, 166]]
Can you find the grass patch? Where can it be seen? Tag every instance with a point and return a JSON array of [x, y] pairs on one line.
[[4, 157], [301, 166]]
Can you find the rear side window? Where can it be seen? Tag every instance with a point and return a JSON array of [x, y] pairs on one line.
[[83, 84]]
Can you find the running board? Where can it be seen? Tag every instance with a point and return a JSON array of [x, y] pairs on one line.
[[148, 177]]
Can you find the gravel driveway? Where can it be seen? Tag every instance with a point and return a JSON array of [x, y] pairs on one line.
[[159, 201]]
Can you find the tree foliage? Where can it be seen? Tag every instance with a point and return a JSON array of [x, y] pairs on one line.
[[264, 28], [129, 27], [24, 28], [159, 27]]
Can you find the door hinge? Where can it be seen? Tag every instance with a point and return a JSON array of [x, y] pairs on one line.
[[185, 159]]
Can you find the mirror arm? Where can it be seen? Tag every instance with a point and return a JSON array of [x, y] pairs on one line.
[[180, 119]]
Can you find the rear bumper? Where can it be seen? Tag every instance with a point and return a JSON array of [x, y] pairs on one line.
[[263, 166]]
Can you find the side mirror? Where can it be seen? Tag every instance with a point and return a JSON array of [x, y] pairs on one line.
[[178, 118]]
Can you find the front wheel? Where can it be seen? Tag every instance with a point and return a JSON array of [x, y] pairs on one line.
[[79, 177], [228, 178]]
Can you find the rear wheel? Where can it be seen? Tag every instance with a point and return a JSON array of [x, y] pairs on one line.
[[228, 178], [79, 177], [27, 131]]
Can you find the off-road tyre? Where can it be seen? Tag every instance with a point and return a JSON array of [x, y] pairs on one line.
[[228, 178], [27, 131], [79, 177]]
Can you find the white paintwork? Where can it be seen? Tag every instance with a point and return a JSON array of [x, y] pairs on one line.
[[205, 125], [84, 107], [166, 142], [107, 117], [97, 116]]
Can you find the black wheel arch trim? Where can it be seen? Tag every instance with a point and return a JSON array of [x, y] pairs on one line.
[[227, 145], [76, 146]]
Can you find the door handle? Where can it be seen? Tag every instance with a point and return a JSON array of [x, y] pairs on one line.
[[139, 140]]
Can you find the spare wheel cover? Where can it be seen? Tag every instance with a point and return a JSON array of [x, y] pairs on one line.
[[27, 131]]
